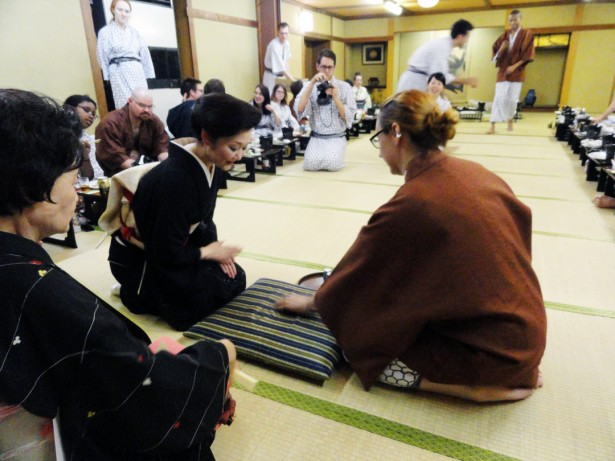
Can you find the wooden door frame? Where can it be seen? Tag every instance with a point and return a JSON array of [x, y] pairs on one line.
[[267, 17], [90, 36]]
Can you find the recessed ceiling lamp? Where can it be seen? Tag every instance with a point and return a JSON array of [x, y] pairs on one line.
[[393, 8], [306, 21], [428, 3]]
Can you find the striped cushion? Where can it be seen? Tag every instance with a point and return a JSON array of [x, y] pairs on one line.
[[302, 344]]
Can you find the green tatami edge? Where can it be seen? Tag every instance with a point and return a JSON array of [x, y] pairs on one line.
[[377, 425], [579, 309], [319, 267], [288, 262], [298, 205], [367, 212]]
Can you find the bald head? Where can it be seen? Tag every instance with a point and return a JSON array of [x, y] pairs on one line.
[[141, 104], [140, 92]]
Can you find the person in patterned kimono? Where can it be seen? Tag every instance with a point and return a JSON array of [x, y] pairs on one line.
[[330, 106], [123, 56]]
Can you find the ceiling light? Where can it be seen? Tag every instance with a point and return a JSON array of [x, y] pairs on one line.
[[428, 3], [306, 21], [393, 8]]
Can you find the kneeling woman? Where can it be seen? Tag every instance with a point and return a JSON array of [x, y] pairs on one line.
[[183, 273], [68, 354], [436, 85], [439, 284]]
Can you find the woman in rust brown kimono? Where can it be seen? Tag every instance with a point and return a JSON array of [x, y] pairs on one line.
[[437, 293]]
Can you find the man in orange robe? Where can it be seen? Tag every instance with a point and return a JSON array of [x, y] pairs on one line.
[[512, 51]]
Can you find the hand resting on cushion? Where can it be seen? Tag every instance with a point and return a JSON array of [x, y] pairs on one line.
[[296, 304]]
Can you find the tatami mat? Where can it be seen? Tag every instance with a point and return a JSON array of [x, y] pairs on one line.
[[298, 222], [270, 431]]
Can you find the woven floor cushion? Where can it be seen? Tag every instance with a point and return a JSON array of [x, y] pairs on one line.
[[301, 344]]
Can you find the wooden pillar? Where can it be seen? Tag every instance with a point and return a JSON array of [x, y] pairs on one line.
[[268, 17], [391, 81], [90, 33], [571, 58], [184, 39]]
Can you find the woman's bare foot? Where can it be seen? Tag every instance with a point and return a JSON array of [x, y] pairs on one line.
[[491, 129], [539, 381], [481, 393], [604, 201], [510, 125]]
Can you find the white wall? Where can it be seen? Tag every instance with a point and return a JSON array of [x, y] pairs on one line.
[[43, 48]]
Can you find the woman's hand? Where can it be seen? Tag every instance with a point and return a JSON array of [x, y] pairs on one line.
[[224, 255], [229, 269], [296, 304], [217, 251], [276, 116], [86, 147]]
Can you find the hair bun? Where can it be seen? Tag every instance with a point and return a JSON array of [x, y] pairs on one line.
[[441, 125]]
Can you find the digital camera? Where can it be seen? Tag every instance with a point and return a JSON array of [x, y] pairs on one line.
[[323, 98]]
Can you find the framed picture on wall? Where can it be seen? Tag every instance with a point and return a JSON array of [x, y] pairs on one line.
[[373, 54]]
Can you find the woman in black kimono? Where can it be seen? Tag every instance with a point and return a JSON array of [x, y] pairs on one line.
[[66, 353], [172, 264]]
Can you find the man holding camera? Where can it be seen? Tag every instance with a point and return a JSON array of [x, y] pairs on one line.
[[330, 106]]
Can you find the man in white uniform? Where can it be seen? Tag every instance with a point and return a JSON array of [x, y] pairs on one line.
[[432, 57], [276, 58]]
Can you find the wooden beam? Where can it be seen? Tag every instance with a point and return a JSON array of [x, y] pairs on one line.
[[303, 6], [390, 82], [568, 69], [487, 7], [268, 18], [184, 39], [90, 37], [327, 37], [217, 17], [315, 35], [569, 29], [385, 38]]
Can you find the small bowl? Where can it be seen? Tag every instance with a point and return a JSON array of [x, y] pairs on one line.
[[312, 281]]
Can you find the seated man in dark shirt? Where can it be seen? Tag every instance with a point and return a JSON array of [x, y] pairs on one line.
[[178, 120]]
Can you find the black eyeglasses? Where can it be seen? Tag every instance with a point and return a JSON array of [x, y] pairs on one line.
[[375, 140], [88, 111]]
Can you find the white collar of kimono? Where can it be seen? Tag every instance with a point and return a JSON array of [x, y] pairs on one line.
[[190, 148]]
